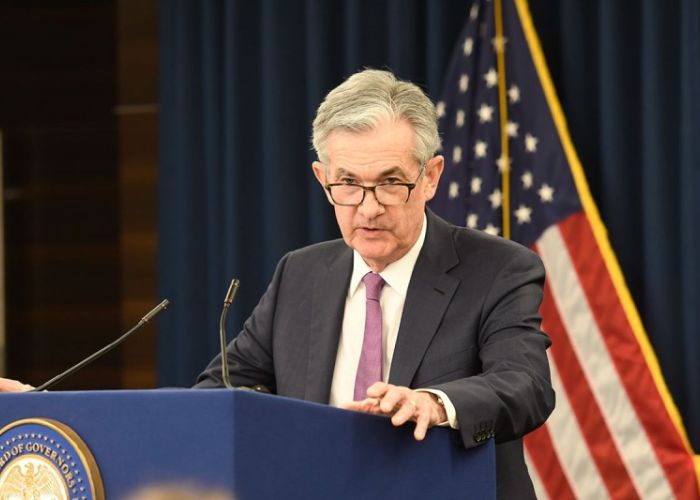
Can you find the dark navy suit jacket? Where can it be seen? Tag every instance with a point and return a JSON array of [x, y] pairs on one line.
[[470, 327]]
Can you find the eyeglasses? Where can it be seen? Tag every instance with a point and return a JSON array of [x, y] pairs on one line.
[[386, 193]]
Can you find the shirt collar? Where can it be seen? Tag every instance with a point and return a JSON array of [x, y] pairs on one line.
[[397, 274]]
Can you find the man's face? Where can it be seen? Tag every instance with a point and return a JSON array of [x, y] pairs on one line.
[[380, 234]]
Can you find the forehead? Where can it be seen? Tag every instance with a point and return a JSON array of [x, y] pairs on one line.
[[389, 144]]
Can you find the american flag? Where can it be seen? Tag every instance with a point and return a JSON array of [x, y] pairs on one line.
[[615, 432]]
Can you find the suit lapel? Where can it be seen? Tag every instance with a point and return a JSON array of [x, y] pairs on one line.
[[429, 294], [330, 290]]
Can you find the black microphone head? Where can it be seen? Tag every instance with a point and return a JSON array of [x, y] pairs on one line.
[[156, 310], [232, 289]]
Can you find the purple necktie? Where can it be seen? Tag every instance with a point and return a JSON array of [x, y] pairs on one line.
[[369, 370]]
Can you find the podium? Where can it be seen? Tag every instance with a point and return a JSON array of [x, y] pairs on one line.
[[258, 446]]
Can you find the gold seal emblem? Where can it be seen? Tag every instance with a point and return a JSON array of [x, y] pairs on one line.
[[41, 459], [29, 478]]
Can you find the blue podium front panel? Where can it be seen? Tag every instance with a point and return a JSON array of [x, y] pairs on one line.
[[258, 446], [141, 437]]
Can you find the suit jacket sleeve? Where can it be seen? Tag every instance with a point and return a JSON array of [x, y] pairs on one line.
[[512, 395]]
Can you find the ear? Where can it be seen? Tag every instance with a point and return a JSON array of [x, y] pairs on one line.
[[433, 171], [319, 172]]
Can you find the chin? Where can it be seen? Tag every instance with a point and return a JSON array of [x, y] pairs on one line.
[[374, 252], [372, 248]]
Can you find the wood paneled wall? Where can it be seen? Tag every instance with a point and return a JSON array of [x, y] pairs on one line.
[[137, 114], [79, 186]]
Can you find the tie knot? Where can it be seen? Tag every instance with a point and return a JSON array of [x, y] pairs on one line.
[[373, 284]]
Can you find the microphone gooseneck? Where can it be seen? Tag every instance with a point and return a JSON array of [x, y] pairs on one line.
[[232, 289], [148, 317]]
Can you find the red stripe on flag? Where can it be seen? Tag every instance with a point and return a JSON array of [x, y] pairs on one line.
[[627, 356], [590, 419], [544, 457]]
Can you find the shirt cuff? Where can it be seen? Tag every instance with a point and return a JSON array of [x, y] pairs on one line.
[[449, 408]]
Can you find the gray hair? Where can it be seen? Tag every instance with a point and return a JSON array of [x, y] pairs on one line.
[[365, 99]]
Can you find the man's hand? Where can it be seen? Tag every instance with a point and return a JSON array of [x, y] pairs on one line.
[[9, 385], [402, 404]]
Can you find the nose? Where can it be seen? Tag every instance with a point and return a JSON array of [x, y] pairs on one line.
[[370, 207]]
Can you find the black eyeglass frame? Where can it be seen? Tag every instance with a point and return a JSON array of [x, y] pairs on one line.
[[410, 185]]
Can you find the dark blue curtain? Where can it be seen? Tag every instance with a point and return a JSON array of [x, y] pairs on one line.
[[240, 82]]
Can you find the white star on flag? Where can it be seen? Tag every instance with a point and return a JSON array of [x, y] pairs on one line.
[[485, 113], [503, 163], [476, 185], [527, 179], [512, 129], [463, 83], [491, 78], [531, 143], [496, 198], [456, 154], [468, 47], [546, 193], [440, 109], [474, 12], [523, 214], [459, 119], [492, 230], [454, 190], [514, 94], [480, 149], [472, 220]]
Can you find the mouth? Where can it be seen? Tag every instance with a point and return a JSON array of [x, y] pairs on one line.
[[369, 231]]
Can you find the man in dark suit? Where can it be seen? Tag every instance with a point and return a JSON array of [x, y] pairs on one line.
[[406, 316]]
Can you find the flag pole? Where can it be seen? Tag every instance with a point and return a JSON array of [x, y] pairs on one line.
[[504, 164]]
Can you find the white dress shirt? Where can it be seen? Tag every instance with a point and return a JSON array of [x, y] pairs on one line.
[[397, 276]]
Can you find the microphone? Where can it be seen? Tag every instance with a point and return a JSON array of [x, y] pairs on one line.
[[232, 289], [148, 317]]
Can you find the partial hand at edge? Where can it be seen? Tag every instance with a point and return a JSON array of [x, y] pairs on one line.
[[402, 405], [9, 385]]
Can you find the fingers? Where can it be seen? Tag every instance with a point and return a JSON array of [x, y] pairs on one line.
[[352, 405], [416, 407], [407, 409], [393, 399], [423, 422], [369, 405], [9, 385], [378, 389], [402, 405]]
